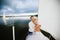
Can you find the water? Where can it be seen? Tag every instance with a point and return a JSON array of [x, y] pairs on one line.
[[1, 21], [20, 28]]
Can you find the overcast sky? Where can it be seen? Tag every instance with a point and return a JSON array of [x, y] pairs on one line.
[[19, 6]]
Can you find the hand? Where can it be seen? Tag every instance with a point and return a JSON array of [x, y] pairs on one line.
[[37, 28]]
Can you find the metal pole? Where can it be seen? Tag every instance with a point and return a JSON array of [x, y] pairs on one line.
[[13, 28]]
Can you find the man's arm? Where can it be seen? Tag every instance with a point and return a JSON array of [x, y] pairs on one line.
[[48, 35]]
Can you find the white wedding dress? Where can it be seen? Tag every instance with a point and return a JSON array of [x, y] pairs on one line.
[[35, 35]]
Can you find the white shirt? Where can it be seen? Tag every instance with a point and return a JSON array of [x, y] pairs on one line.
[[35, 35], [31, 27]]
